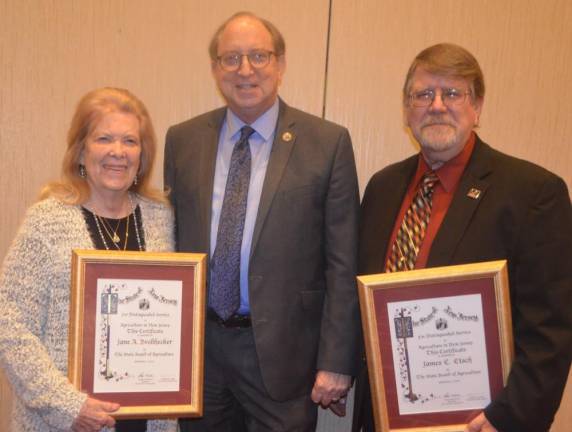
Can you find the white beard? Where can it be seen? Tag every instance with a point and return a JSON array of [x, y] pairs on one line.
[[439, 138]]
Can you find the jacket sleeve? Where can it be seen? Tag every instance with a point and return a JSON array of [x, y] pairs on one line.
[[339, 346], [541, 288]]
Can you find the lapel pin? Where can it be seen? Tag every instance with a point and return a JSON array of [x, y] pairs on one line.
[[474, 193], [287, 136]]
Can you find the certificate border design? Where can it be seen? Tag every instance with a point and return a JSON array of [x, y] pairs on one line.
[[87, 267], [488, 278]]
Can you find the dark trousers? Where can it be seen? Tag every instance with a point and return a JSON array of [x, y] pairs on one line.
[[363, 409], [235, 398]]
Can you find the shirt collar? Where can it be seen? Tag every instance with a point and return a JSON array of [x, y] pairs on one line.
[[450, 172], [263, 125]]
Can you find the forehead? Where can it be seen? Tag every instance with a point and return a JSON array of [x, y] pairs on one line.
[[243, 34], [117, 120], [423, 79]]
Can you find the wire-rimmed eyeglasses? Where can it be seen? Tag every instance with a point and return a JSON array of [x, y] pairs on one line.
[[451, 97]]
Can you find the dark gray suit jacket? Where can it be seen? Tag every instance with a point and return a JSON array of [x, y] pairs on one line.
[[524, 216], [303, 300]]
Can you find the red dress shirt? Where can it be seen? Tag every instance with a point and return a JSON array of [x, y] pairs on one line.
[[449, 175]]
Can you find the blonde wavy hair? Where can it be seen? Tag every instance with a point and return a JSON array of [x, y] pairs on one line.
[[72, 188]]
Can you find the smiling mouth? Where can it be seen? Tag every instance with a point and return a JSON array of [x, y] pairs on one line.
[[246, 86], [438, 124], [115, 168]]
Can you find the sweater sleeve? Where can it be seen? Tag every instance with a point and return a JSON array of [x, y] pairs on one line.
[[25, 284]]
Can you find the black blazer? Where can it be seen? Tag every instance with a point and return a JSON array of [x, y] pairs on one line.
[[523, 215], [304, 308]]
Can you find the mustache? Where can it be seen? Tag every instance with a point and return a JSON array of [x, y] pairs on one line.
[[437, 121]]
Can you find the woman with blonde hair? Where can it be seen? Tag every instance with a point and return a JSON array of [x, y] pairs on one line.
[[104, 200]]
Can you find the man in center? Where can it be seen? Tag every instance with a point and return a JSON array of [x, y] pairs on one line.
[[270, 193]]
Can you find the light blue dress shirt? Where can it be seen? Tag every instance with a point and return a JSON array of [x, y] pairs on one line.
[[260, 147]]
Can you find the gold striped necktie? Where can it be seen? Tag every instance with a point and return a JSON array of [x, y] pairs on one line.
[[413, 227]]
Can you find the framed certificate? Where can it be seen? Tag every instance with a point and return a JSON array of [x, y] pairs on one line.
[[136, 333], [438, 343]]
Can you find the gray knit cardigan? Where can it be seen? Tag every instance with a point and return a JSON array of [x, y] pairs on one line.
[[34, 310]]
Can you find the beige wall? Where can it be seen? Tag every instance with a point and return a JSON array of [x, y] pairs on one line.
[[522, 45], [53, 51]]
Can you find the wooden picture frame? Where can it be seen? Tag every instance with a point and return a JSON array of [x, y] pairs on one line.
[[439, 344], [136, 334]]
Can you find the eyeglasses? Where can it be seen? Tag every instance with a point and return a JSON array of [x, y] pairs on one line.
[[258, 59], [451, 97]]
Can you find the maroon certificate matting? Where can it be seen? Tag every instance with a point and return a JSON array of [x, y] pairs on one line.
[[438, 343], [485, 288], [95, 271]]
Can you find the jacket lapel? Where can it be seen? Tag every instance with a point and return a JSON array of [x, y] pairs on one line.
[[389, 206], [472, 188], [284, 140], [206, 167]]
